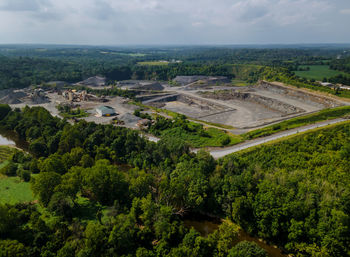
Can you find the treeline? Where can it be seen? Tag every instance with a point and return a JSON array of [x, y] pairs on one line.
[[22, 66], [24, 71], [341, 65]]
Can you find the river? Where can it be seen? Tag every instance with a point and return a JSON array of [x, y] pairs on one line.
[[10, 138], [206, 227]]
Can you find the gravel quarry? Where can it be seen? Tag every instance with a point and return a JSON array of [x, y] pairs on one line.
[[242, 107]]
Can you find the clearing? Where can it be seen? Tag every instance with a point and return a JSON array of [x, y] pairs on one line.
[[318, 72], [13, 190]]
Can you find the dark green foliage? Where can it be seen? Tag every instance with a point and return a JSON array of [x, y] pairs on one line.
[[44, 184], [4, 110], [292, 192], [10, 169], [61, 205], [105, 191], [247, 249], [12, 248], [105, 183], [23, 174]]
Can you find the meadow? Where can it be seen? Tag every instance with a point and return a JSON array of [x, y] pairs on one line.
[[13, 190], [153, 63], [318, 72]]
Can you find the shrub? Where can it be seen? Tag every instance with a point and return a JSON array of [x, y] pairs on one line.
[[10, 169]]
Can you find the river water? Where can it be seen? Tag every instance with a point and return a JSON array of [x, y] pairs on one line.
[[11, 138], [206, 227], [6, 141]]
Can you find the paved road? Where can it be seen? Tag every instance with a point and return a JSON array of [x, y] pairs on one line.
[[221, 152]]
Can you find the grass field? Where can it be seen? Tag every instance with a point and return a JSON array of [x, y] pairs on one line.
[[318, 72], [215, 137], [326, 114], [78, 113], [155, 63], [13, 190]]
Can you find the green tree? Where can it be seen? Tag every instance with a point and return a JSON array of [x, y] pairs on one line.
[[247, 249], [4, 110], [44, 185]]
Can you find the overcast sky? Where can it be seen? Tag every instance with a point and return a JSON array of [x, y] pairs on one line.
[[115, 22]]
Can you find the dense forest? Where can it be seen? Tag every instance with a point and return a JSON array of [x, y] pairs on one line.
[[106, 191]]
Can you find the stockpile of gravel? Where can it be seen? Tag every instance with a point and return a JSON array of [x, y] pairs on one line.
[[151, 86], [184, 80], [96, 81], [11, 97], [129, 119]]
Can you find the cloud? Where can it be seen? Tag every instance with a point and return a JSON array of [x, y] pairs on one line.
[[345, 11], [22, 5], [167, 21]]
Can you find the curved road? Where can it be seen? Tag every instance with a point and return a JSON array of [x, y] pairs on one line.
[[221, 152]]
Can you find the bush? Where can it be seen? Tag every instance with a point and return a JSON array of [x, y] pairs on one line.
[[10, 169], [225, 140], [247, 249], [23, 174], [4, 110]]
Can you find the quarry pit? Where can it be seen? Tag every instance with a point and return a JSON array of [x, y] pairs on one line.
[[242, 107]]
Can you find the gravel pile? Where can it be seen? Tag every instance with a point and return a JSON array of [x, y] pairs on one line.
[[129, 119], [96, 81]]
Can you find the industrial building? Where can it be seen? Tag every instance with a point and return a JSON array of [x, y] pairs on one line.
[[105, 111]]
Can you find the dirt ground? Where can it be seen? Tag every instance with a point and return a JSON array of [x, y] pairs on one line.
[[118, 103]]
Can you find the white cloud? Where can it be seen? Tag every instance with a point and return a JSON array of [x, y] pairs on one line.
[[345, 11], [166, 21]]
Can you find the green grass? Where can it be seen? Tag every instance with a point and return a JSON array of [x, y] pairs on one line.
[[79, 113], [154, 63], [213, 137], [318, 72], [224, 126], [323, 115], [5, 152], [276, 141], [239, 83], [13, 190]]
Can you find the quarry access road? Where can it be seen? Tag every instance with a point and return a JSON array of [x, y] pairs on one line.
[[221, 152]]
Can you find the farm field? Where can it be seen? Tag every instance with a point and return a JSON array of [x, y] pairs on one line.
[[318, 72], [155, 63]]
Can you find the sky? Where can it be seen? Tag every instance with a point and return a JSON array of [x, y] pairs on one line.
[[185, 22]]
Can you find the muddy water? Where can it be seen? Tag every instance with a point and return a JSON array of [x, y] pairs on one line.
[[11, 138], [5, 141], [206, 227]]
